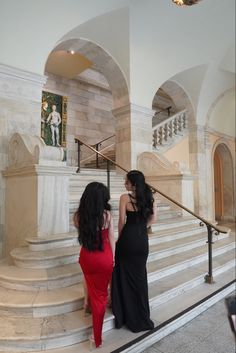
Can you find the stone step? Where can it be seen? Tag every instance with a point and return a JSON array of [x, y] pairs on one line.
[[52, 241], [161, 236], [12, 277], [28, 279], [74, 201], [30, 334], [173, 223], [26, 258], [166, 249], [164, 267], [188, 279], [41, 303], [92, 171], [23, 257], [115, 339]]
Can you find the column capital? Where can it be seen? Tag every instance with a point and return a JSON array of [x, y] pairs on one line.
[[133, 108]]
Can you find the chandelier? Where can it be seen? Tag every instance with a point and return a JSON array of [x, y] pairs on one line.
[[185, 2]]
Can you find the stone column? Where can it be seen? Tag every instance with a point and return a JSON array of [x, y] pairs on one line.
[[20, 101], [133, 134], [198, 167], [37, 189]]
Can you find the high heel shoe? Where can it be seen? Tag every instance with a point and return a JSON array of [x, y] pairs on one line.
[[92, 344]]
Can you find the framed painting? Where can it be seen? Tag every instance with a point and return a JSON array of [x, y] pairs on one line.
[[53, 119]]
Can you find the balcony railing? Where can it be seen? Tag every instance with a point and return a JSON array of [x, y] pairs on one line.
[[165, 131]]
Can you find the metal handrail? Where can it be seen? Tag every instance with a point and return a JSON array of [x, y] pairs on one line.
[[210, 226], [98, 144], [91, 156], [107, 138]]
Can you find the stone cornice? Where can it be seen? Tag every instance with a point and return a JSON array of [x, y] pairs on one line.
[[20, 85], [172, 177], [36, 170], [211, 131], [133, 108], [19, 74]]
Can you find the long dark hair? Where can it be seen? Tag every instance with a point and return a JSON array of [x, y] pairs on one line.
[[144, 196], [90, 215]]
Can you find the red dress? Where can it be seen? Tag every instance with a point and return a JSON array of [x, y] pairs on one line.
[[97, 268]]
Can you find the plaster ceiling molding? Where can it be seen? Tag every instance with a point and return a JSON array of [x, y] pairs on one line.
[[102, 62], [151, 163]]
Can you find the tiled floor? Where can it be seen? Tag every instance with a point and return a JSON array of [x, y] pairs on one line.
[[208, 333]]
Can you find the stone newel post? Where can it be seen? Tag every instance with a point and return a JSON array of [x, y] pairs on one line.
[[37, 182]]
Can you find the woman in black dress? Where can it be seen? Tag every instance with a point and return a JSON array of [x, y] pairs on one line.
[[129, 282]]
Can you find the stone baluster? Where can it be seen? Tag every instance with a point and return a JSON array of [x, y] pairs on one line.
[[155, 139], [171, 129], [161, 135], [166, 130], [175, 126]]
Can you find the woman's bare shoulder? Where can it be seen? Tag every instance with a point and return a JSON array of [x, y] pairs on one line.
[[124, 197]]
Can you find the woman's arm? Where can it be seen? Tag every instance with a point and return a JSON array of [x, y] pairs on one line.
[[122, 213], [76, 220], [112, 235], [153, 217]]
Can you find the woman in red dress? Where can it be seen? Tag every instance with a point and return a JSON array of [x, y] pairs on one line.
[[96, 236]]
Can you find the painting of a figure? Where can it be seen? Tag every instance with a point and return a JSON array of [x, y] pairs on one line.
[[53, 119]]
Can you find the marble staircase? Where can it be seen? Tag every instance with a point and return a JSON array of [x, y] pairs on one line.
[[41, 293]]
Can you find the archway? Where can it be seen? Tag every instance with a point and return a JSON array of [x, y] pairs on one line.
[[223, 183], [104, 63], [90, 111]]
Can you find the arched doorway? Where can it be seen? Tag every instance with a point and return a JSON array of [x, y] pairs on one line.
[[223, 183]]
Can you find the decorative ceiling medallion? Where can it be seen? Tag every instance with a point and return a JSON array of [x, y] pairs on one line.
[[185, 2]]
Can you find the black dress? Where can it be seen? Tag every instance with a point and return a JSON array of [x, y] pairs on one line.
[[129, 281]]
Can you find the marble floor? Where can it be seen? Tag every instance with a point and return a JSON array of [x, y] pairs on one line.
[[208, 333]]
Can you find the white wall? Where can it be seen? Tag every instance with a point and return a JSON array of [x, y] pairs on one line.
[[222, 117], [166, 39], [160, 41], [29, 29]]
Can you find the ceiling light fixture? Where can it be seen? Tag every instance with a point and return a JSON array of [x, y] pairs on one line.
[[185, 2], [71, 52]]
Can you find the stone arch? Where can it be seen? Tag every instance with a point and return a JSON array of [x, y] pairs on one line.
[[115, 84], [104, 63], [216, 101], [175, 96], [223, 179]]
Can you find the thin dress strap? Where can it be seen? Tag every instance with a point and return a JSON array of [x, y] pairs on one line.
[[132, 203]]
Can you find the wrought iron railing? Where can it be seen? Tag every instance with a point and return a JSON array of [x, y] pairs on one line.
[[211, 228]]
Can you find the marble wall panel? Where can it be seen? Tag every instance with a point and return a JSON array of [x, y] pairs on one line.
[[20, 101], [89, 110]]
